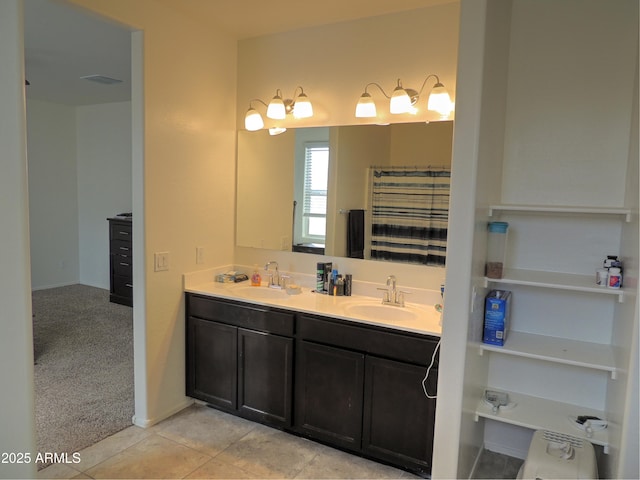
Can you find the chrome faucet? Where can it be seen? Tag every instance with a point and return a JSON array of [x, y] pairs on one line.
[[392, 296], [274, 278]]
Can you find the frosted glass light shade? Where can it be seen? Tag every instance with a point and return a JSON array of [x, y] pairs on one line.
[[366, 107], [276, 108], [439, 100], [400, 101], [302, 107], [253, 120], [277, 130]]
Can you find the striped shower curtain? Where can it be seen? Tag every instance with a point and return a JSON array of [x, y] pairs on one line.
[[410, 214]]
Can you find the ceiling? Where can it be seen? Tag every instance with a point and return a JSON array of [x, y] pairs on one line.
[[63, 43]]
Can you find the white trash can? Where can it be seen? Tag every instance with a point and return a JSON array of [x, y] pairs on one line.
[[557, 456]]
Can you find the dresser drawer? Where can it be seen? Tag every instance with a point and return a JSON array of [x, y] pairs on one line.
[[121, 247], [119, 231], [122, 265], [122, 286]]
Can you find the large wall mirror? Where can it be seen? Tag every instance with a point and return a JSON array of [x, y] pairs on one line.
[[333, 190]]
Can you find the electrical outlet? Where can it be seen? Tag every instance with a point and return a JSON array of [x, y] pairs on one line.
[[161, 261], [199, 255]]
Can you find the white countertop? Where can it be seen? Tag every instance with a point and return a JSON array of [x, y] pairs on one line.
[[413, 317]]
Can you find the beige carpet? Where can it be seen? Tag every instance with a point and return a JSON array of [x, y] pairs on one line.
[[83, 348]]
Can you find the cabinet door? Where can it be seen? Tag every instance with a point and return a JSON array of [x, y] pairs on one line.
[[328, 394], [398, 417], [212, 366], [265, 370]]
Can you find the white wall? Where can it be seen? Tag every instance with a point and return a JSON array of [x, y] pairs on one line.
[[557, 111], [104, 183], [16, 342], [79, 174], [553, 142], [622, 404], [53, 194], [458, 438]]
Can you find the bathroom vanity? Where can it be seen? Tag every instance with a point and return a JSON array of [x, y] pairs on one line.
[[301, 363]]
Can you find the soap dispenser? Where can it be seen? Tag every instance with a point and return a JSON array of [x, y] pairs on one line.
[[256, 279]]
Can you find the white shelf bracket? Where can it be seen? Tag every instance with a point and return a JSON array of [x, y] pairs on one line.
[[621, 297], [614, 374], [476, 418], [605, 448], [480, 351]]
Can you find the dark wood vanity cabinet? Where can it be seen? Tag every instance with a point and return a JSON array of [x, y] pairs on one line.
[[398, 418], [356, 387], [328, 398], [361, 388], [121, 260], [240, 358]]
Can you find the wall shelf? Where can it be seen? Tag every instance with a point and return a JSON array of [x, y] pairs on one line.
[[595, 356], [542, 414], [555, 280], [553, 209]]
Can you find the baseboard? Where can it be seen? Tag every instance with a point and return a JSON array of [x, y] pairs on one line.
[[505, 450], [57, 285], [150, 422]]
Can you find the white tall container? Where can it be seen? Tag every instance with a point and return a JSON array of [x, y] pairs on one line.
[[496, 249]]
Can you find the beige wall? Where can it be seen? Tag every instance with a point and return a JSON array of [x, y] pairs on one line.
[[183, 181], [333, 63], [265, 189], [422, 145]]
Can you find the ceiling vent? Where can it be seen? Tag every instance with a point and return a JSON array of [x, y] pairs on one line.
[[104, 80]]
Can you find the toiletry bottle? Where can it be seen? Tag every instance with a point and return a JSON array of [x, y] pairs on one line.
[[332, 282], [615, 278], [256, 279], [320, 277]]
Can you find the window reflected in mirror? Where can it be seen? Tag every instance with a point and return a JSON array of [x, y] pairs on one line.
[[296, 191]]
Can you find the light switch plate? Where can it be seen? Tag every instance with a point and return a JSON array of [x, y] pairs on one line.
[[161, 261]]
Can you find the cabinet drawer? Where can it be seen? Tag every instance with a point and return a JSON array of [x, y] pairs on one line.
[[119, 231], [121, 247], [122, 265], [122, 286], [405, 347], [241, 315]]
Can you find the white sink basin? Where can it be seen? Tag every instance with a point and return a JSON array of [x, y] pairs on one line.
[[381, 312], [261, 293]]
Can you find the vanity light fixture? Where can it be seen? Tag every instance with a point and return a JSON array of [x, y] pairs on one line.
[[278, 109], [253, 120], [403, 100], [276, 130]]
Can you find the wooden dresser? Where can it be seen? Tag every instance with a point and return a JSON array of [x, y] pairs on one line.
[[121, 260]]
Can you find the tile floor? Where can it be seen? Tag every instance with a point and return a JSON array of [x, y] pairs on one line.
[[201, 442], [497, 466]]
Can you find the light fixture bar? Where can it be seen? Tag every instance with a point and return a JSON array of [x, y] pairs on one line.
[[278, 109], [403, 100]]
